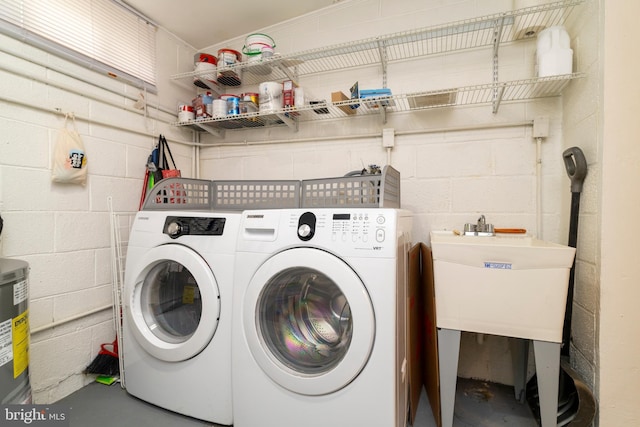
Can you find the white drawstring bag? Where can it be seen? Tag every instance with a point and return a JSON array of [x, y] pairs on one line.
[[69, 156]]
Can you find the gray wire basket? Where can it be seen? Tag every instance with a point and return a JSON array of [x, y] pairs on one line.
[[241, 195], [179, 194], [364, 191], [198, 194]]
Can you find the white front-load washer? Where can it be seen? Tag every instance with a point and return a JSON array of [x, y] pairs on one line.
[[319, 318], [177, 301]]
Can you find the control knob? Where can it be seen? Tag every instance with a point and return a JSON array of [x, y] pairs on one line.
[[304, 230], [176, 229], [306, 226]]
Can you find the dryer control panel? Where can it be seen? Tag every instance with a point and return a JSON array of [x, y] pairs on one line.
[[365, 229], [176, 226]]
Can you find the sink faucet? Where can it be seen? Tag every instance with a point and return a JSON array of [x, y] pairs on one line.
[[481, 223], [481, 228]]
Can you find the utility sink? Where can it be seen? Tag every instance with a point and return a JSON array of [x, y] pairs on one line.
[[510, 285]]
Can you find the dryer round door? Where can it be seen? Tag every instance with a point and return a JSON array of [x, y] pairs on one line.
[[309, 321], [174, 303]]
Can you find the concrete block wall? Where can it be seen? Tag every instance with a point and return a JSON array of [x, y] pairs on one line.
[[450, 174], [582, 128], [63, 231]]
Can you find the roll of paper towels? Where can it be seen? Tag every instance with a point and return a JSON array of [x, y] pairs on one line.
[[270, 96]]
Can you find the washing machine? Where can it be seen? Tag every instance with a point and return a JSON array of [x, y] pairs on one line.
[[319, 335], [177, 311]]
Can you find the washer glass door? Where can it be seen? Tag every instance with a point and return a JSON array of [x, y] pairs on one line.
[[309, 321], [175, 303]]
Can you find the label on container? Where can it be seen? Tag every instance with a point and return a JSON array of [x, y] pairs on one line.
[[20, 292], [498, 265], [6, 342], [20, 330]]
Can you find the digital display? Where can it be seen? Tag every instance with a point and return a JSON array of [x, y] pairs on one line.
[[341, 217]]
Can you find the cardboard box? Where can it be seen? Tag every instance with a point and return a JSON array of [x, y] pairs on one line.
[[374, 98], [423, 337], [415, 352], [339, 96]]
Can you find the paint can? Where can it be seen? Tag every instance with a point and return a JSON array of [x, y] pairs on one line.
[[254, 43], [227, 59], [219, 108], [205, 70], [202, 105], [185, 113], [251, 96], [233, 104]]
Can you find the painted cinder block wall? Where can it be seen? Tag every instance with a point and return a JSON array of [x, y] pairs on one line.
[[449, 177], [62, 231]]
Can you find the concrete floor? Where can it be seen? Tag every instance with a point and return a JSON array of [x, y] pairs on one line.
[[478, 404]]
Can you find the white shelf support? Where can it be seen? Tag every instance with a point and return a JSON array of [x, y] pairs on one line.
[[291, 123], [208, 128], [382, 49], [497, 91]]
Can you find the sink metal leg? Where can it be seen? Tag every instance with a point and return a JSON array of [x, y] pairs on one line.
[[520, 362], [448, 353], [547, 355]]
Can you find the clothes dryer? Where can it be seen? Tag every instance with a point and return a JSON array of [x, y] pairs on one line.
[[177, 311], [319, 318]]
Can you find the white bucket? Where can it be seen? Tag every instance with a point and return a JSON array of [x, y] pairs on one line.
[[270, 96], [554, 56], [259, 38], [219, 108]]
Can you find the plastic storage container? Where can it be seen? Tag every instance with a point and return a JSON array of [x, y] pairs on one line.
[[554, 56], [15, 387]]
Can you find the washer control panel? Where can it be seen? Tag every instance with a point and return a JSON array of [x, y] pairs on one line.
[[176, 226]]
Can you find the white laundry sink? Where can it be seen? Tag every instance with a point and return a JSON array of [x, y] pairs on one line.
[[508, 285]]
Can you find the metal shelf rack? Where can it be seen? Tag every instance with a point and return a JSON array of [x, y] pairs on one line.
[[491, 30]]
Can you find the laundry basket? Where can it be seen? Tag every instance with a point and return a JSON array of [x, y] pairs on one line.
[[362, 191], [180, 193], [198, 194], [241, 195]]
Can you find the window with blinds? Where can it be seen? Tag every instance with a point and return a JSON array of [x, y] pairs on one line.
[[100, 34]]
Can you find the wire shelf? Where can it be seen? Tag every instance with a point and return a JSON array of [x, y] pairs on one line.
[[490, 30], [516, 90], [456, 36]]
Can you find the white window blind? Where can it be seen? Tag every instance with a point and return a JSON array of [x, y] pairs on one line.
[[108, 36]]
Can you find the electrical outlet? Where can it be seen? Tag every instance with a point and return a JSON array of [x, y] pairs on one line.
[[388, 137], [541, 127]]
